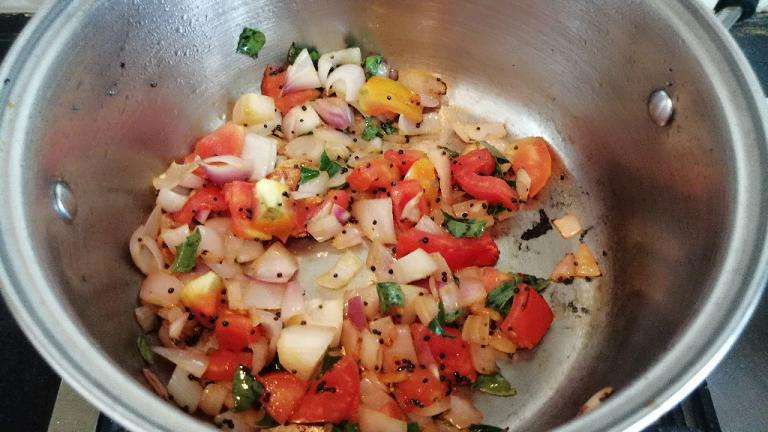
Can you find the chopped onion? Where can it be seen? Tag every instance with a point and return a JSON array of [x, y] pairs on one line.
[[211, 243], [476, 329], [375, 219], [411, 210], [293, 302], [174, 236], [220, 225], [341, 273], [370, 351], [370, 298], [223, 169], [350, 339], [371, 420], [191, 361], [174, 175], [305, 147], [471, 290], [202, 215], [430, 87], [586, 265], [383, 327], [144, 251], [327, 313], [249, 250], [324, 227], [186, 392], [276, 264], [261, 154], [363, 279], [240, 421], [340, 213], [335, 143], [332, 59], [253, 109], [261, 354], [348, 237], [300, 120], [436, 408], [191, 181], [429, 124], [442, 164], [426, 308], [565, 269], [355, 312], [335, 112], [593, 402], [482, 131], [262, 295], [234, 287], [449, 295], [301, 75], [147, 317], [226, 268], [177, 325], [428, 225], [161, 289], [271, 322], [372, 392], [155, 383], [401, 349], [502, 344], [338, 180], [462, 413], [346, 81], [568, 225], [483, 358], [380, 257], [415, 266], [213, 397], [170, 200], [315, 187], [522, 184]]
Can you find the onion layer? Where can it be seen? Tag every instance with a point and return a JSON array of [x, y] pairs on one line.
[[223, 169], [346, 81]]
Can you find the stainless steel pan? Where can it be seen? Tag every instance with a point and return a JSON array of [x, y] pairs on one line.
[[99, 95]]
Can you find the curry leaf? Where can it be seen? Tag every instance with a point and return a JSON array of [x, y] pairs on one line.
[[413, 427], [373, 65], [388, 128], [501, 297], [246, 391], [186, 253], [371, 130], [296, 48], [329, 166], [500, 157], [441, 320], [328, 362], [390, 295], [308, 174], [496, 385], [463, 227], [145, 350], [251, 41]]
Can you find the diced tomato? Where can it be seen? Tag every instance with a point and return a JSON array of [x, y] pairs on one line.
[[450, 351], [458, 252], [248, 221], [226, 140], [207, 198], [420, 390], [472, 172], [532, 154], [401, 194], [403, 159], [376, 174], [304, 210], [333, 398], [392, 409], [529, 318], [222, 364], [236, 332], [283, 392], [272, 85], [339, 197]]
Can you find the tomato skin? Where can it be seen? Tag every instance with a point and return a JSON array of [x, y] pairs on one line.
[[528, 319], [283, 392], [272, 85], [248, 223], [458, 252], [226, 140], [421, 389], [206, 198], [403, 192], [335, 406], [236, 332], [223, 364], [403, 159], [339, 197], [472, 172], [451, 353], [376, 174], [532, 154]]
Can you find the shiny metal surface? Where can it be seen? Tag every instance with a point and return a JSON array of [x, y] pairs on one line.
[[119, 88]]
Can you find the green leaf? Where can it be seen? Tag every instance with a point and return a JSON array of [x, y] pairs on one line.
[[251, 41], [501, 297], [500, 157], [145, 350], [186, 253], [246, 391], [486, 428], [308, 174], [496, 385], [388, 128], [328, 362], [463, 227], [345, 427], [452, 317], [413, 427], [296, 48], [441, 320], [371, 129], [329, 166], [451, 153], [390, 295], [539, 284], [267, 422], [374, 65]]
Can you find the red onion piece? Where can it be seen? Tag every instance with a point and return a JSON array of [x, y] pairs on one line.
[[356, 312], [341, 214], [223, 169], [202, 215], [334, 111]]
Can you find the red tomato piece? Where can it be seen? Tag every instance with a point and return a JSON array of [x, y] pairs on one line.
[[401, 194], [376, 174], [333, 398], [272, 85], [450, 351], [532, 154], [226, 140], [247, 222], [528, 319], [403, 159], [339, 197], [207, 198], [223, 364], [236, 332], [472, 172], [420, 390], [303, 210], [458, 252], [283, 393]]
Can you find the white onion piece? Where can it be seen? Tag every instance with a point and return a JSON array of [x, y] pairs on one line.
[[253, 109], [271, 322], [227, 168], [338, 180], [375, 219], [177, 325], [471, 290], [476, 329], [332, 59], [241, 421], [146, 317], [144, 252], [225, 268], [334, 111], [568, 225], [192, 181], [335, 143], [170, 200], [429, 86], [300, 120], [429, 124], [315, 187], [427, 225], [442, 164], [425, 307], [380, 257], [161, 289], [436, 408], [348, 237], [261, 153], [449, 295], [174, 175], [401, 349], [249, 250], [262, 295], [276, 264], [154, 222], [211, 243], [186, 392], [483, 358], [372, 392], [260, 357], [340, 213], [293, 302], [301, 348], [234, 287], [213, 397], [170, 313], [371, 420], [522, 184], [174, 236], [341, 273], [346, 81], [220, 225], [202, 215], [593, 402], [481, 131], [415, 266], [324, 227], [411, 210], [301, 75], [305, 147], [358, 158], [191, 361], [370, 351], [462, 413]]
